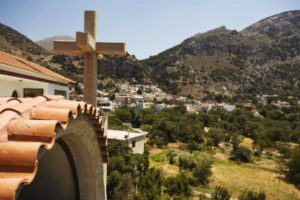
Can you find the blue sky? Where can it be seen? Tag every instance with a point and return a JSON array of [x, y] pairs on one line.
[[147, 26]]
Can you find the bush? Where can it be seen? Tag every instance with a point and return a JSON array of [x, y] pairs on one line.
[[220, 193], [177, 186], [241, 154], [171, 156], [202, 171], [185, 162], [251, 195], [151, 183], [217, 135], [293, 173], [123, 114], [119, 186], [193, 146]]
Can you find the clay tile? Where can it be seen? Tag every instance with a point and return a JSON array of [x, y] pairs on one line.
[[19, 153], [8, 188], [44, 128], [73, 106], [59, 114], [10, 104]]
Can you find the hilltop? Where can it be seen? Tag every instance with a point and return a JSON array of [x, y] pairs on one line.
[[111, 69], [262, 58], [47, 43], [220, 64]]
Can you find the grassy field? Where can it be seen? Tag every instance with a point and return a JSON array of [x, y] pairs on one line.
[[261, 174]]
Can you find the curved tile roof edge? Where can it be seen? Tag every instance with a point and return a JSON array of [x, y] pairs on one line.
[[24, 64], [29, 125]]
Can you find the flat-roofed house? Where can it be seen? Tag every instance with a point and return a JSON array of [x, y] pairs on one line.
[[136, 141], [21, 78]]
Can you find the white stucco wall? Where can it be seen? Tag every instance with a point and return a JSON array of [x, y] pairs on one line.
[[8, 84], [7, 87], [139, 145], [52, 87]]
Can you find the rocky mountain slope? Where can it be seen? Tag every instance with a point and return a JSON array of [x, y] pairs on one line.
[[264, 58], [111, 69], [47, 43]]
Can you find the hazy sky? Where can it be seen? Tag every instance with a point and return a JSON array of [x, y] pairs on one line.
[[147, 26]]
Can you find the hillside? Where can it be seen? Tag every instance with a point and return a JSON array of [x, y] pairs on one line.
[[47, 43], [111, 69], [222, 64], [261, 59], [14, 42]]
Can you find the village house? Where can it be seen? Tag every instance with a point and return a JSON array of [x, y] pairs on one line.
[[138, 98], [122, 98], [142, 105], [136, 141], [21, 78]]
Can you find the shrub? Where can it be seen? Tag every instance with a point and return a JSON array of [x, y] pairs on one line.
[[193, 146], [151, 183], [241, 154], [171, 156], [217, 135], [177, 186], [220, 193], [252, 195], [185, 162], [293, 173], [202, 171]]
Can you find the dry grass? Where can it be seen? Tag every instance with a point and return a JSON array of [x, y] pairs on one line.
[[260, 176], [168, 170], [247, 142]]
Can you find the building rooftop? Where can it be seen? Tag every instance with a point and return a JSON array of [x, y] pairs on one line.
[[123, 135], [20, 63], [30, 126]]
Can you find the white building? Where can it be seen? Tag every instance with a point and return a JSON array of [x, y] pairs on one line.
[[21, 78], [136, 141]]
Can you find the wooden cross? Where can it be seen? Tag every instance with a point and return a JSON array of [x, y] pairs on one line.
[[86, 43]]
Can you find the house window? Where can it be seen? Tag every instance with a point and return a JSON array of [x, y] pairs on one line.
[[133, 143], [60, 92], [33, 92]]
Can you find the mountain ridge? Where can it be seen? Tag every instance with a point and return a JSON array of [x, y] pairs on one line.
[[218, 64], [234, 64], [47, 43]]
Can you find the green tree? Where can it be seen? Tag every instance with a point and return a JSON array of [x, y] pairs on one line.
[[123, 114], [202, 170], [217, 135], [119, 186], [179, 185], [151, 183]]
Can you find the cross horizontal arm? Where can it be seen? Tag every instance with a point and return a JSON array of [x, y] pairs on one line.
[[66, 47], [111, 48], [85, 41]]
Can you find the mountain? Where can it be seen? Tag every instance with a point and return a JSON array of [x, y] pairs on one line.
[[13, 42], [264, 58], [220, 64], [111, 69], [47, 43]]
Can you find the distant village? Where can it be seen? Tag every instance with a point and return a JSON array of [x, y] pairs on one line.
[[152, 97]]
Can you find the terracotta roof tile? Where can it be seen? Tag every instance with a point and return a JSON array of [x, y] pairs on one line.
[[21, 63], [27, 126]]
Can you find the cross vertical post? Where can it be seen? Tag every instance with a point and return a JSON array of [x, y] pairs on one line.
[[90, 71]]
